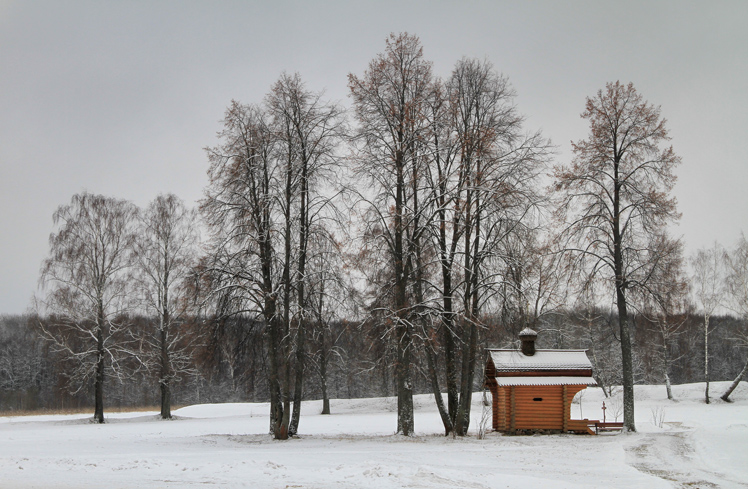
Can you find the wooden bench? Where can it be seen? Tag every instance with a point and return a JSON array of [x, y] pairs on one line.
[[581, 425], [608, 426]]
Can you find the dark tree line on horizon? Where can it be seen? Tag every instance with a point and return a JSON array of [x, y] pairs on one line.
[[231, 366], [376, 252]]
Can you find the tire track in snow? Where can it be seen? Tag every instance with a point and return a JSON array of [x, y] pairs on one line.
[[671, 457]]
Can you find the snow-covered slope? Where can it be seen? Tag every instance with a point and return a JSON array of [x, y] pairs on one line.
[[226, 445]]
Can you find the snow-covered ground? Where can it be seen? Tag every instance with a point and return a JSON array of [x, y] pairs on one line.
[[226, 445]]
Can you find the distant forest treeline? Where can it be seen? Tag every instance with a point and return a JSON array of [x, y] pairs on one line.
[[231, 364]]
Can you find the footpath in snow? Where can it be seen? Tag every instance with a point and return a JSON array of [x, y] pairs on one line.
[[682, 443]]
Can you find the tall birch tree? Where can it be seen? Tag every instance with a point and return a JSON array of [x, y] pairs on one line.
[[87, 275], [736, 283], [166, 255], [708, 280]]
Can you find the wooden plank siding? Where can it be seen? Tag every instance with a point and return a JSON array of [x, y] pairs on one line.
[[545, 407], [539, 407]]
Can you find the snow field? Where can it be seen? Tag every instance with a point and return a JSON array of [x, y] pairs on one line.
[[226, 446]]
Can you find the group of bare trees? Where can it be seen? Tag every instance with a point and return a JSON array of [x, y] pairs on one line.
[[269, 207], [720, 280], [108, 261], [451, 183], [416, 237]]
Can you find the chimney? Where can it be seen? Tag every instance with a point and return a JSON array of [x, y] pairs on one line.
[[528, 337]]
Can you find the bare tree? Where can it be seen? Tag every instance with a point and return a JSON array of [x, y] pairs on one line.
[[309, 133], [547, 291], [87, 274], [328, 302], [445, 182], [267, 190], [534, 285], [614, 199], [242, 271], [482, 194], [166, 254], [390, 106], [664, 302], [708, 279], [736, 282]]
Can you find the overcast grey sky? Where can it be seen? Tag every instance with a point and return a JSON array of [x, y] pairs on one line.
[[120, 97]]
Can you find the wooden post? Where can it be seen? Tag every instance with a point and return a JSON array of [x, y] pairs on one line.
[[503, 410], [512, 405], [495, 407], [567, 411]]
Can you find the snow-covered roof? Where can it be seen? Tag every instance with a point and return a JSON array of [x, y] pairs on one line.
[[516, 361], [509, 381]]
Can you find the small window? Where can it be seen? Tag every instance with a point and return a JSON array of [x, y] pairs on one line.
[[537, 399]]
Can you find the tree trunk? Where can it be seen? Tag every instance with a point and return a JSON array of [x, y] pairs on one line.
[[447, 254], [668, 386], [462, 418], [448, 331], [433, 378], [284, 343], [299, 379], [286, 385], [459, 422], [301, 330], [726, 396], [462, 423], [666, 357], [286, 418], [276, 399], [99, 381], [405, 415], [706, 357], [323, 375], [623, 319], [165, 400], [100, 365], [323, 354], [165, 376], [274, 387], [164, 339], [420, 312], [474, 306], [453, 394], [471, 304], [405, 421], [627, 363]]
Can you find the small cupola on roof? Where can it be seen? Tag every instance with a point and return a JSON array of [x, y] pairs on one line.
[[528, 337]]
